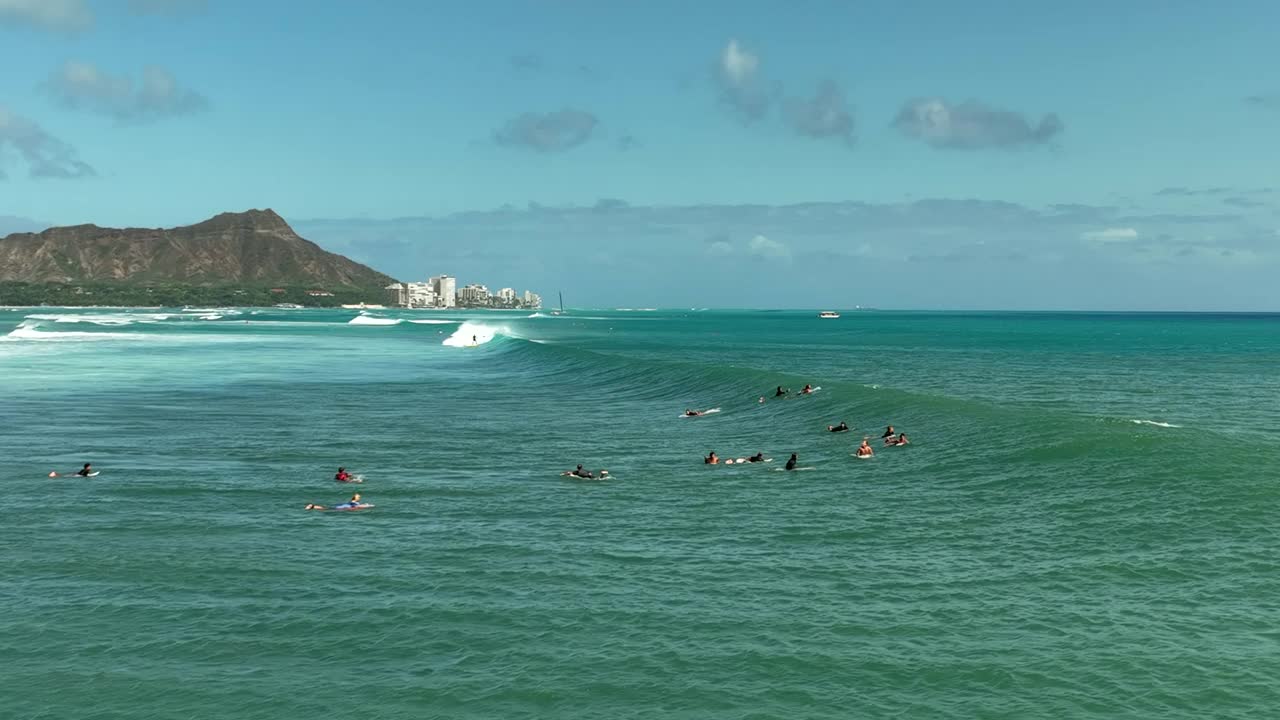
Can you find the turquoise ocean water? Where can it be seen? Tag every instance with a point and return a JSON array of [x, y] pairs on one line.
[[1084, 526]]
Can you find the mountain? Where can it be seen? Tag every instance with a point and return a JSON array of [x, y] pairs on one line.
[[250, 248]]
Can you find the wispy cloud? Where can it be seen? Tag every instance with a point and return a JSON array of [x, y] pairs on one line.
[[762, 247], [1110, 235], [548, 132], [1265, 101], [167, 7], [1193, 192], [737, 71], [972, 125], [825, 115], [84, 86], [529, 62], [45, 155], [53, 15]]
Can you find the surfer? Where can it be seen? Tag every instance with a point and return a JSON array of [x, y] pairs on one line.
[[842, 427], [692, 413], [900, 440], [888, 432], [791, 462], [808, 389], [864, 450], [761, 399], [342, 475], [711, 459], [758, 457], [85, 471], [579, 472], [780, 392], [353, 502]]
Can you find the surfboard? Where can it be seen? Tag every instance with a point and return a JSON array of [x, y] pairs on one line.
[[348, 508], [74, 475]]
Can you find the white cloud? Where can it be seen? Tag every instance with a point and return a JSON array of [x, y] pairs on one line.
[[736, 72], [82, 85], [56, 15], [1110, 235], [738, 65], [763, 247], [46, 156], [971, 125]]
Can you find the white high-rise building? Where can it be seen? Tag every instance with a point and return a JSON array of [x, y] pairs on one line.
[[446, 288], [421, 295], [397, 294], [474, 295], [532, 300], [507, 296]]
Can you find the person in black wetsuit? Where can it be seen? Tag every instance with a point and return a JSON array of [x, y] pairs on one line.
[[579, 472], [888, 433], [85, 471], [791, 463], [842, 427], [780, 392], [758, 457]]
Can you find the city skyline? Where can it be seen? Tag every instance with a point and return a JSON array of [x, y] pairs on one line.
[[1089, 156], [441, 292]]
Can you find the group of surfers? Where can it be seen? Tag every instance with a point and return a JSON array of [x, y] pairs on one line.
[[355, 503], [891, 437]]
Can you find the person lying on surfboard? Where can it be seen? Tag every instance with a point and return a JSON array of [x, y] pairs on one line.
[[807, 389], [353, 502], [758, 457], [692, 413], [85, 471], [585, 474], [842, 427], [780, 392], [900, 440]]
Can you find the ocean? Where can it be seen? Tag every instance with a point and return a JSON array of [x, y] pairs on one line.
[[1083, 526]]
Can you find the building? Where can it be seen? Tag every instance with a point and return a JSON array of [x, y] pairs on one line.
[[420, 295], [446, 291], [507, 297], [474, 296], [532, 300], [397, 295]]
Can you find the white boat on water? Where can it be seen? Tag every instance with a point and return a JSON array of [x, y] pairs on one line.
[[829, 314]]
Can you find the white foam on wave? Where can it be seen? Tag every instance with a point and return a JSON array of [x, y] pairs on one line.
[[1156, 423], [372, 320], [471, 334], [540, 316], [30, 331]]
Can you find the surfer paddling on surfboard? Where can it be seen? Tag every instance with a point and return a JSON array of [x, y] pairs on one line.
[[353, 504], [578, 472], [343, 476], [842, 427], [86, 471]]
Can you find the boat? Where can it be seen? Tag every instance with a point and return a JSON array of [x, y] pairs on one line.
[[561, 310], [829, 314]]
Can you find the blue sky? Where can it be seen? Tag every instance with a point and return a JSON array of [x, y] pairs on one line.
[[899, 154]]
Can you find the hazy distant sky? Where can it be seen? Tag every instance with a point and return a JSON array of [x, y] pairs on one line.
[[898, 154]]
